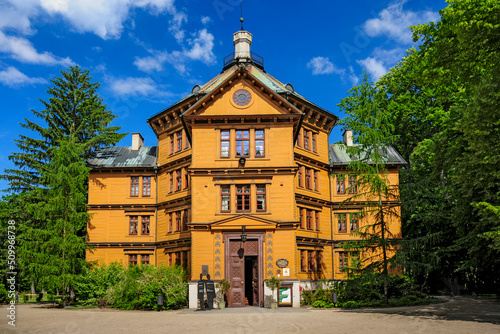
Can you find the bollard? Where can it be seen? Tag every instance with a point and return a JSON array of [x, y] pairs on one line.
[[160, 302], [334, 299]]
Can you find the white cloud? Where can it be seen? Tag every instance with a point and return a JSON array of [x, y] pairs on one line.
[[176, 24], [394, 22], [131, 86], [103, 18], [374, 67], [389, 57], [12, 77], [22, 50], [200, 49], [353, 78], [322, 65], [206, 20]]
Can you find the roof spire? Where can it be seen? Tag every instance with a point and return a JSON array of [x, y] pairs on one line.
[[241, 18]]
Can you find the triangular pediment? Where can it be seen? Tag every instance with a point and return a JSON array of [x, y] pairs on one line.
[[251, 222], [223, 99]]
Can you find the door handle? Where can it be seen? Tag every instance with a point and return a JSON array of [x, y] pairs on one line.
[[242, 282]]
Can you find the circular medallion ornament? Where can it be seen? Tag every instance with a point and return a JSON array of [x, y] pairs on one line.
[[282, 263], [242, 97]]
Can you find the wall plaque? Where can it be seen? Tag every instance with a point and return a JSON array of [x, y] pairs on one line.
[[282, 263]]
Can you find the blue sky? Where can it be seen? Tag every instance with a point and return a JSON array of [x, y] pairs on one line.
[[148, 54]]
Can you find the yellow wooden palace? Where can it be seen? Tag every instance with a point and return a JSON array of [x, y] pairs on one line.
[[242, 185]]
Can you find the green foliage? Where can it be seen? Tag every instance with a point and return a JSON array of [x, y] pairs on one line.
[[4, 295], [138, 287], [439, 106], [367, 290], [372, 128], [222, 287], [95, 282]]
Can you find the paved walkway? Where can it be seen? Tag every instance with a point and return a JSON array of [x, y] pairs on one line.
[[460, 315]]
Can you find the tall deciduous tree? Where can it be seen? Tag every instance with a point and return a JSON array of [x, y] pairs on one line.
[[372, 130]]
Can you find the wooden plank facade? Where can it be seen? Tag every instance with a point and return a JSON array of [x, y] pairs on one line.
[[243, 154]]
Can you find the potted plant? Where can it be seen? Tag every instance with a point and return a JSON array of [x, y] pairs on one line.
[[222, 287], [273, 283]]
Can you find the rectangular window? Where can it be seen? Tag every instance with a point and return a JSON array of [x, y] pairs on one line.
[[179, 140], [146, 186], [354, 220], [352, 184], [184, 262], [170, 222], [171, 181], [341, 218], [133, 225], [303, 260], [299, 175], [340, 184], [319, 260], [306, 139], [314, 142], [308, 178], [178, 180], [132, 259], [185, 220], [311, 260], [134, 186], [242, 143], [243, 198], [302, 218], [224, 143], [171, 144], [317, 220], [187, 141], [186, 178], [170, 260], [261, 197], [343, 263], [299, 138], [178, 220], [145, 260], [225, 195], [145, 225], [177, 258], [316, 185], [259, 143], [309, 220]]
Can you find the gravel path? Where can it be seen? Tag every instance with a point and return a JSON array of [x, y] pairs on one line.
[[459, 315]]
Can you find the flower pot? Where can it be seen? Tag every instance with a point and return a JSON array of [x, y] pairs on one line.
[[222, 305], [274, 305]]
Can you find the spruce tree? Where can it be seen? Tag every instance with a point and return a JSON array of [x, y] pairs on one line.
[[74, 109], [51, 178]]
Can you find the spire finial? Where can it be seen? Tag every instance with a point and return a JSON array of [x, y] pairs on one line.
[[241, 18]]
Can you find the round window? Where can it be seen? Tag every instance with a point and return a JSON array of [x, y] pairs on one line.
[[242, 97]]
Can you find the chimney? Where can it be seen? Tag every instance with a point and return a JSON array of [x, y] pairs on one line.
[[242, 40], [137, 141], [347, 137]]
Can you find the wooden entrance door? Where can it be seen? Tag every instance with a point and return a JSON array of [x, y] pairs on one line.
[[236, 274], [238, 250], [255, 281]]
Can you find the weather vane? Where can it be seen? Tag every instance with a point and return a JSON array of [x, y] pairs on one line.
[[241, 18]]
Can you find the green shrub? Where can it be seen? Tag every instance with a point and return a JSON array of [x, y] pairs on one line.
[[138, 288], [322, 304], [3, 294], [96, 281]]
